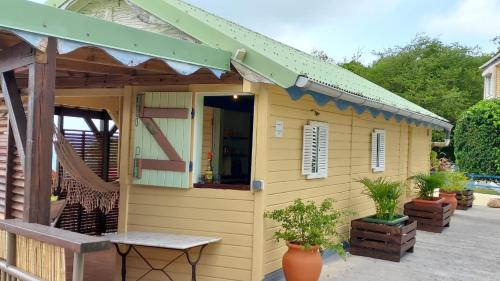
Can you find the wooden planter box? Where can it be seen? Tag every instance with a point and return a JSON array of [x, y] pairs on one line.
[[382, 241], [429, 218], [465, 199]]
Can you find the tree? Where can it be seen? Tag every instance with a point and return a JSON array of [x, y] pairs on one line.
[[477, 139], [443, 78]]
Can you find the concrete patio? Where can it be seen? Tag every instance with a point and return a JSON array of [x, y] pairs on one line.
[[469, 250]]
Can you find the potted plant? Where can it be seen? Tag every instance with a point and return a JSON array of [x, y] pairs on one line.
[[386, 196], [454, 182], [307, 228], [425, 185]]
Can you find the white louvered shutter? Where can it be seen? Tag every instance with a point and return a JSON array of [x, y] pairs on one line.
[[378, 151], [315, 150], [381, 155], [309, 144], [322, 171]]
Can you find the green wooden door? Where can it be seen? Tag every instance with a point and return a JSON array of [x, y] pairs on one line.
[[162, 139]]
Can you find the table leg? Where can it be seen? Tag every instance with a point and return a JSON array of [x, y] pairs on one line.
[[123, 256], [194, 263]]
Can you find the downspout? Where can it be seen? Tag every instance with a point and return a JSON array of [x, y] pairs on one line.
[[445, 143]]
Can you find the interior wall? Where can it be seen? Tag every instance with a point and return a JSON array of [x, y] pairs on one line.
[[207, 142]]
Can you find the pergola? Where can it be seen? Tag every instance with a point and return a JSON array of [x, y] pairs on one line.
[[47, 49]]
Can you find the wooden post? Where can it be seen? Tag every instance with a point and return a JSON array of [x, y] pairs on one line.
[[105, 148], [78, 262], [10, 245], [38, 162]]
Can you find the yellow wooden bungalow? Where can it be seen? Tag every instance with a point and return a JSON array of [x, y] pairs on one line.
[[214, 124]]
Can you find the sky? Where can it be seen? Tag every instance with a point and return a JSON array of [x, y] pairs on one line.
[[342, 28]]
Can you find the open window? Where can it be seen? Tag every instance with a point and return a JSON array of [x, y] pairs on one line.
[[224, 138]]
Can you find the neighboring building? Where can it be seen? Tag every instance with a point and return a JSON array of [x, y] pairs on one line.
[[491, 74], [280, 124]]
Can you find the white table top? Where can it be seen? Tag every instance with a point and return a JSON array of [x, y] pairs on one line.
[[161, 240]]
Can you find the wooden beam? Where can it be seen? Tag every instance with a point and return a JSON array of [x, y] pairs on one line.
[[117, 81], [82, 113], [16, 56], [173, 113], [105, 148], [87, 67], [159, 165], [38, 164], [113, 130], [160, 138], [17, 116], [92, 126]]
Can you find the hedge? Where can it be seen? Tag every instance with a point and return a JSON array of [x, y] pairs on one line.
[[477, 139]]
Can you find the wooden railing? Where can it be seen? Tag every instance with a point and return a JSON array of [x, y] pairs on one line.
[[30, 252]]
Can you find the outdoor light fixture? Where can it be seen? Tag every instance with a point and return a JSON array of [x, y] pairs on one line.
[[235, 97]]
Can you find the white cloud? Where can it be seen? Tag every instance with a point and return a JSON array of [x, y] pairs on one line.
[[469, 17]]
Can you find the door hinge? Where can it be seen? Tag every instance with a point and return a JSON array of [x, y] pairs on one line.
[[192, 113], [190, 166]]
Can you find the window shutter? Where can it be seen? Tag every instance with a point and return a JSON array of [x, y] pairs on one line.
[[308, 149], [315, 150], [378, 151], [162, 139], [381, 149]]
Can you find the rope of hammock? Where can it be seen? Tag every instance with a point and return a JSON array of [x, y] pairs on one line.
[[82, 184]]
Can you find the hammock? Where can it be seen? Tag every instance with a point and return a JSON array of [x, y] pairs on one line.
[[82, 184]]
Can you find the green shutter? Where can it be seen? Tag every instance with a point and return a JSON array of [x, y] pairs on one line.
[[176, 131]]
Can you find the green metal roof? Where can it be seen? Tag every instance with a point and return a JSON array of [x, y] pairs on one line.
[[44, 20], [278, 62]]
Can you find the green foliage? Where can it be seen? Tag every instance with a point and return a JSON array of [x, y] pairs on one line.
[[477, 139], [308, 224], [454, 182], [426, 184], [434, 161], [385, 194], [444, 79]]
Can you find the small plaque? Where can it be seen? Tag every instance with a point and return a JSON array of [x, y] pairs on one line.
[[278, 132]]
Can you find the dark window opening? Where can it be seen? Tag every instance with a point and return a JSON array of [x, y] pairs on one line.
[[227, 142]]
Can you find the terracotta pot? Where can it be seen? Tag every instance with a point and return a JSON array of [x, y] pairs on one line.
[[300, 264], [436, 201], [450, 198]]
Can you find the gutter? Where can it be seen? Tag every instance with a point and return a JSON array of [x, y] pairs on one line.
[[445, 143], [306, 84]]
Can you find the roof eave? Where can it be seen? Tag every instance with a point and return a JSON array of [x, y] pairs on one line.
[[307, 85], [491, 61]]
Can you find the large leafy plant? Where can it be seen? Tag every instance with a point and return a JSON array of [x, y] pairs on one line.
[[455, 182], [309, 224], [426, 184], [385, 194], [477, 139]]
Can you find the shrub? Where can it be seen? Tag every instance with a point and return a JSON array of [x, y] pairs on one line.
[[477, 139], [385, 194], [426, 184], [454, 182], [308, 224]]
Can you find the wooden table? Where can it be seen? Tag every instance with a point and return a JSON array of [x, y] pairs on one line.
[[181, 243]]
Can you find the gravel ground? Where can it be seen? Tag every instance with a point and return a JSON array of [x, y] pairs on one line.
[[467, 251]]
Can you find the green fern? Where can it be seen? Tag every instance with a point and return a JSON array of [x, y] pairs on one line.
[[385, 194]]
